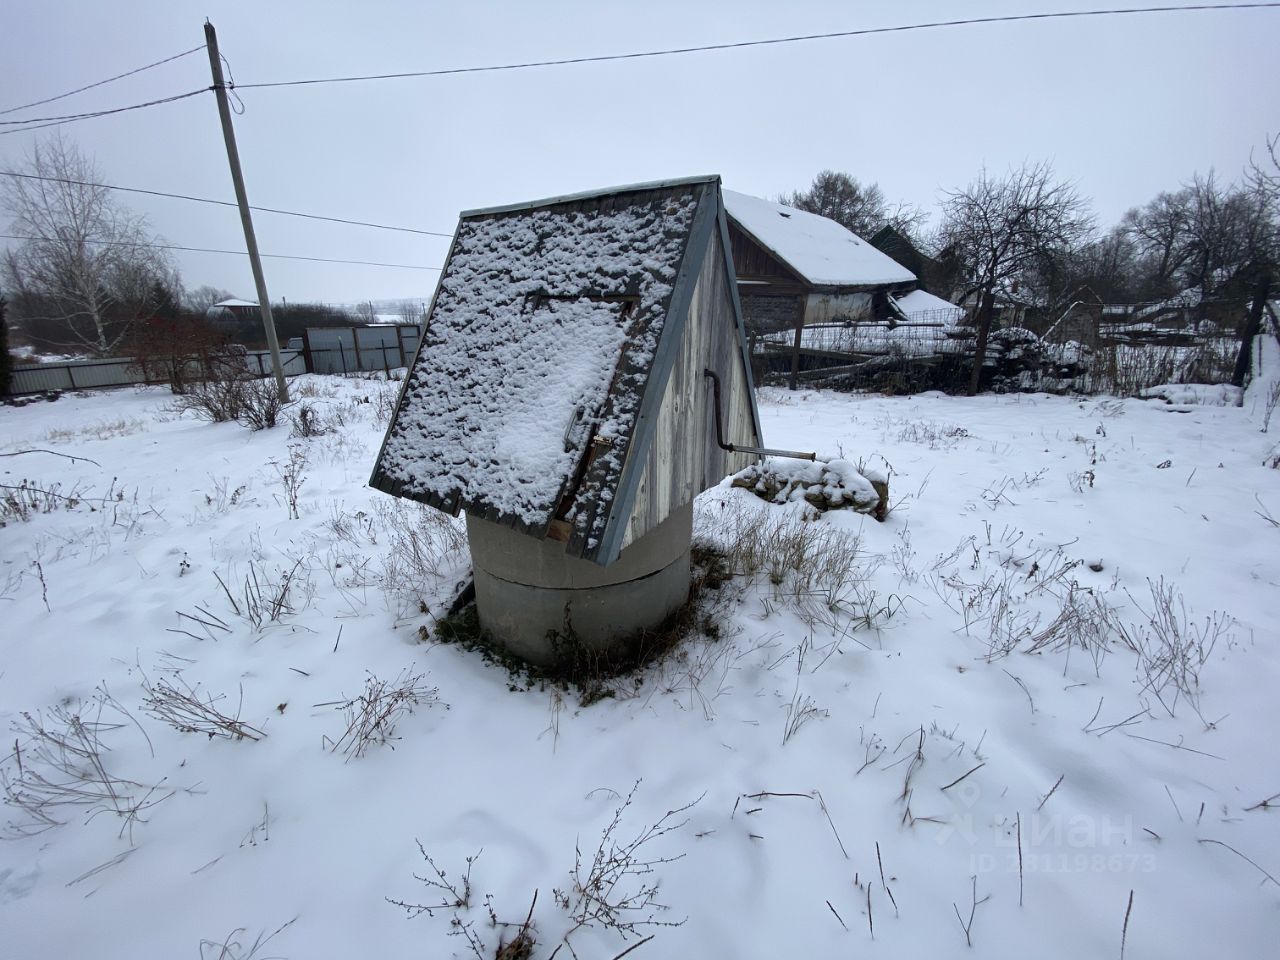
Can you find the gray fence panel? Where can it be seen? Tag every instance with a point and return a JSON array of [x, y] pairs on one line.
[[120, 372], [73, 375], [340, 350]]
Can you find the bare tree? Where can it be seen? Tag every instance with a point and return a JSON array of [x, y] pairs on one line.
[[6, 361], [999, 228], [1161, 232], [199, 300], [862, 209], [87, 270], [1219, 233], [411, 311], [1262, 184]]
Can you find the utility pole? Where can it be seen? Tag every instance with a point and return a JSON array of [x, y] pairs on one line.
[[242, 199]]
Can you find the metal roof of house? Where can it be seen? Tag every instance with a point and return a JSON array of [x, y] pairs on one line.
[[820, 250], [544, 347]]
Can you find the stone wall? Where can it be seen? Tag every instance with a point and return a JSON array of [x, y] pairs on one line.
[[766, 314]]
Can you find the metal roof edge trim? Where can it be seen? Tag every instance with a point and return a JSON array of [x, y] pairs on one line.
[[404, 387], [610, 545], [744, 350], [588, 194]]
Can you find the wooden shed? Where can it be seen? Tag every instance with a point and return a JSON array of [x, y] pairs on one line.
[[797, 268], [564, 393]]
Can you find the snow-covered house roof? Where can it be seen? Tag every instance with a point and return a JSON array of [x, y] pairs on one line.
[[562, 367], [233, 302], [924, 305], [819, 250]]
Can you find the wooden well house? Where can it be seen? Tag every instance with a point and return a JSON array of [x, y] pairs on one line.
[[583, 376]]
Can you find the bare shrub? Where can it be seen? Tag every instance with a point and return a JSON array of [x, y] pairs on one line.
[[802, 707], [446, 894], [263, 598], [308, 422], [58, 768], [176, 352], [455, 896], [1171, 648], [421, 544], [187, 710], [29, 499], [618, 888], [935, 436], [384, 403], [372, 716], [217, 400], [222, 499], [233, 395], [261, 404], [291, 476], [1271, 401], [819, 570]]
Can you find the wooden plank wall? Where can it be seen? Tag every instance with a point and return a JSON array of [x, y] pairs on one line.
[[684, 459], [753, 262]]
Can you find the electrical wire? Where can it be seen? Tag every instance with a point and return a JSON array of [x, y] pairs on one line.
[[238, 253], [99, 113], [121, 76], [675, 51], [224, 203], [40, 122]]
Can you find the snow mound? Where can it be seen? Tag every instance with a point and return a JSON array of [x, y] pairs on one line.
[[829, 485], [1195, 394]]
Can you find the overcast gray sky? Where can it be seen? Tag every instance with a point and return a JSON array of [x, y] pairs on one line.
[[1126, 106]]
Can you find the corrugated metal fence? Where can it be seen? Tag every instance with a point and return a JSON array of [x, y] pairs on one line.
[[120, 372], [319, 350], [356, 348]]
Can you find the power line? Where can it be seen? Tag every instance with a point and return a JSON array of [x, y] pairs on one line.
[[40, 124], [675, 51], [224, 203], [238, 253], [99, 113], [120, 76]]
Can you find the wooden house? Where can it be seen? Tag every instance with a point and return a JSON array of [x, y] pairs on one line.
[[796, 268]]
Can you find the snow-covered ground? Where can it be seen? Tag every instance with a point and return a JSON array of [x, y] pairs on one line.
[[960, 724]]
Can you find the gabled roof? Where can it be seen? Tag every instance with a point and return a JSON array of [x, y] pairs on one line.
[[818, 249], [919, 303], [234, 302], [544, 340]]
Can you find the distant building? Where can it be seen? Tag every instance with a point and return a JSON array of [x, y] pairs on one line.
[[795, 267], [232, 311], [935, 274]]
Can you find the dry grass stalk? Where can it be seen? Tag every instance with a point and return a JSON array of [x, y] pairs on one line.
[[372, 716], [186, 710], [60, 768]]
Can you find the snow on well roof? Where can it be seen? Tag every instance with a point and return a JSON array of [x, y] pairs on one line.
[[819, 249], [540, 338]]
